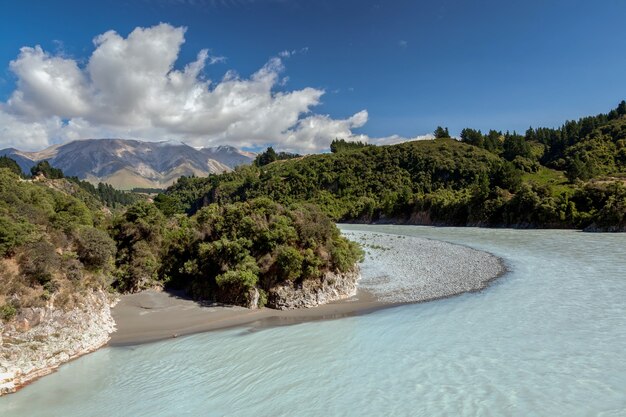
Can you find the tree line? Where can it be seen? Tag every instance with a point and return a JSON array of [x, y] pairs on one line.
[[493, 179]]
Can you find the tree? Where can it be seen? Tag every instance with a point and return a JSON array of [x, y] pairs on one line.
[[39, 262], [138, 234], [95, 247], [578, 169], [341, 145], [266, 157], [493, 142], [621, 108], [441, 133], [515, 145], [473, 137], [6, 162], [44, 168]]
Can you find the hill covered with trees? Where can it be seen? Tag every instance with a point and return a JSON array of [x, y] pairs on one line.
[[570, 177]]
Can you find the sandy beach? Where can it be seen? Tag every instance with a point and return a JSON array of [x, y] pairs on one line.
[[154, 315], [397, 270]]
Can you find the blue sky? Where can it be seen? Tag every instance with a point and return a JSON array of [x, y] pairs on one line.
[[412, 65]]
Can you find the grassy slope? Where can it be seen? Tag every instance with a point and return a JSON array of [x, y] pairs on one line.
[[551, 178]]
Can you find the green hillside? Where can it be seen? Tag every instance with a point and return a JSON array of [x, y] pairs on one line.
[[53, 244], [556, 178]]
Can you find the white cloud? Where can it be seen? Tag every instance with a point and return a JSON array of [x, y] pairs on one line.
[[216, 59], [289, 53], [130, 88], [395, 139]]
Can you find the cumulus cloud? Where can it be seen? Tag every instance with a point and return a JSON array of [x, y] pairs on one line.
[[131, 88]]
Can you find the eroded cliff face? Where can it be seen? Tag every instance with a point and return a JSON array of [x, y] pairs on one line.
[[40, 339], [332, 286]]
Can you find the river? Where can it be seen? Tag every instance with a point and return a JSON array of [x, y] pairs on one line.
[[546, 339]]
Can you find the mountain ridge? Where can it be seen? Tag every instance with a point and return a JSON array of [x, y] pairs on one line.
[[130, 163]]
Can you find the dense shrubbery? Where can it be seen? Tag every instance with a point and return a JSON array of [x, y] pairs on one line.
[[228, 252], [370, 180], [105, 193], [51, 237], [61, 243]]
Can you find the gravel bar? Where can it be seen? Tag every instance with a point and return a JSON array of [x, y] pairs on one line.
[[406, 269]]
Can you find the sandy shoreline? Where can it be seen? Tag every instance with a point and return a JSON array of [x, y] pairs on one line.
[[397, 270], [153, 315]]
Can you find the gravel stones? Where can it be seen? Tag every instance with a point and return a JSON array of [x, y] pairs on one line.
[[406, 269]]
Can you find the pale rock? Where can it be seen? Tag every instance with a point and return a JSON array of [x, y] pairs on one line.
[[29, 351], [333, 286]]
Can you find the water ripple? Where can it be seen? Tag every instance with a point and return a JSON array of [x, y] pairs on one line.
[[547, 340]]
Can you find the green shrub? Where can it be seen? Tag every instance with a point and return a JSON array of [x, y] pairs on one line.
[[289, 262], [7, 312], [94, 247], [13, 234], [345, 253], [51, 286], [10, 164], [39, 262]]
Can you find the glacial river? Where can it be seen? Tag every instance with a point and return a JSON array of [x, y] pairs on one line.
[[546, 339]]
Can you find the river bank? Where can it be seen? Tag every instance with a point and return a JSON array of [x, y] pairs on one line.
[[42, 339], [397, 270]]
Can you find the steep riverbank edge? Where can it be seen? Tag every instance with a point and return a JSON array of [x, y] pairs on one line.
[[41, 339]]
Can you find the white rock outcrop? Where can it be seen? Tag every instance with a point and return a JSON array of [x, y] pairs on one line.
[[41, 339], [332, 287]]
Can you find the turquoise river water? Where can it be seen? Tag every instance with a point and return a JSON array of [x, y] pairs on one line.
[[547, 339]]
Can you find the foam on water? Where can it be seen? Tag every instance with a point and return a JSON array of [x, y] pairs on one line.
[[546, 339]]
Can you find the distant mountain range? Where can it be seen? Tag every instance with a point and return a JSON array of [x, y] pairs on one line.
[[127, 164]]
